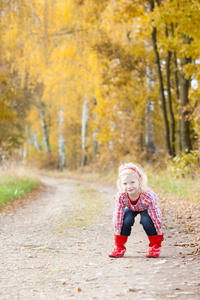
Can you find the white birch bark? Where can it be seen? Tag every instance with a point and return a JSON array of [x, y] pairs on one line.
[[33, 139], [95, 143], [84, 131], [149, 126], [23, 150], [61, 141], [44, 129], [111, 143]]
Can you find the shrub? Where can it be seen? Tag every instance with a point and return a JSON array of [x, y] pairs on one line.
[[185, 164]]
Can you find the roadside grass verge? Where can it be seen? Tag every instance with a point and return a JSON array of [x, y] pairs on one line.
[[187, 188], [13, 187], [15, 181]]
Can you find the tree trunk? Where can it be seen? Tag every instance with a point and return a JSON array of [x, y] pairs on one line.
[[33, 139], [84, 132], [178, 131], [111, 142], [170, 109], [94, 133], [23, 150], [61, 141], [185, 123], [176, 80], [95, 145], [161, 87], [149, 126], [44, 129]]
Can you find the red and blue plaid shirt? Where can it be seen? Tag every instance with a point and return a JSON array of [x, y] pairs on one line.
[[148, 200]]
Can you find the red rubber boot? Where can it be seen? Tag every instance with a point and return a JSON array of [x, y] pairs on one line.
[[119, 248], [154, 245]]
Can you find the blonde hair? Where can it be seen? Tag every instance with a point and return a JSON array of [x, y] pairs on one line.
[[129, 168]]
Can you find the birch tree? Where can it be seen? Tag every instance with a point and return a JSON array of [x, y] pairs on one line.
[[33, 139], [61, 140], [85, 116], [149, 126], [44, 129]]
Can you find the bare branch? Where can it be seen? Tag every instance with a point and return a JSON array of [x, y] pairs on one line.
[[66, 32], [33, 13]]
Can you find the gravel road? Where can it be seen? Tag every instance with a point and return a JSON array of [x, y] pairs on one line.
[[57, 248]]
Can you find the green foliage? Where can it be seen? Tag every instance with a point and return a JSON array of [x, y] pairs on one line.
[[13, 187], [168, 184], [185, 164]]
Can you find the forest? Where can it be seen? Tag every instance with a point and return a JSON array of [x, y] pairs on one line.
[[92, 82]]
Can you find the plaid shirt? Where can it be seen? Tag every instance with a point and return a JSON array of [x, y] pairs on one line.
[[148, 200]]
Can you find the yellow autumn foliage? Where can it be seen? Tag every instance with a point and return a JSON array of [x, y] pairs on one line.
[[56, 53]]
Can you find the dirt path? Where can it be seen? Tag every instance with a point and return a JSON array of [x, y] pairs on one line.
[[49, 251]]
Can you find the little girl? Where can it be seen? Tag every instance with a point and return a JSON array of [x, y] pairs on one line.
[[133, 198]]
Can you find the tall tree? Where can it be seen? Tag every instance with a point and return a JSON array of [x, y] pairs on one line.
[[161, 85], [84, 132], [61, 141], [184, 95], [169, 96]]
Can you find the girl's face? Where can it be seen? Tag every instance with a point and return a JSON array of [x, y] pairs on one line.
[[131, 184]]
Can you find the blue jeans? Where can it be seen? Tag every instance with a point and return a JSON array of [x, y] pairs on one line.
[[145, 220]]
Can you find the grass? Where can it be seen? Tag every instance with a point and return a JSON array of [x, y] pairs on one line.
[[177, 186], [185, 188], [12, 187]]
